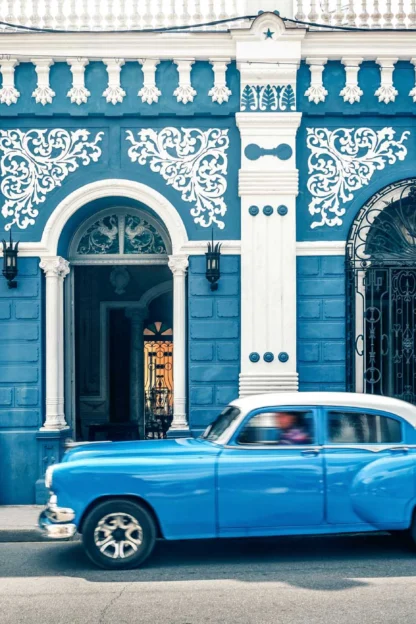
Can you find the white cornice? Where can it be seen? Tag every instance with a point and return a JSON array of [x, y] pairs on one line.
[[320, 248], [251, 123], [369, 44], [206, 46]]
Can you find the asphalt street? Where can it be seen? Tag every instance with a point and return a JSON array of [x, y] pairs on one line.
[[359, 579]]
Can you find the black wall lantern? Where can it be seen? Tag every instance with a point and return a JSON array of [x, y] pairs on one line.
[[213, 263], [10, 261]]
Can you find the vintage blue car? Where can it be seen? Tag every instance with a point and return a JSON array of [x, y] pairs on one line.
[[275, 464]]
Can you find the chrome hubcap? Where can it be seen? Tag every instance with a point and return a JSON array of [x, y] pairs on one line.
[[118, 535]]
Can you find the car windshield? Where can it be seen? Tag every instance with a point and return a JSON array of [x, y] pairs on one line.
[[221, 424]]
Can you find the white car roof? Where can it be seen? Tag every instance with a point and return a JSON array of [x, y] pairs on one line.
[[336, 399]]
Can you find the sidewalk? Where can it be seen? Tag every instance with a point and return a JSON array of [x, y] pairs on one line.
[[19, 523]]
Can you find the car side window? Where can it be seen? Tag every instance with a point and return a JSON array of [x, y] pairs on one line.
[[362, 428], [278, 427]]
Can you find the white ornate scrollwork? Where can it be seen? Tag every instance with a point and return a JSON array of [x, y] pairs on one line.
[[344, 160], [35, 162], [192, 161]]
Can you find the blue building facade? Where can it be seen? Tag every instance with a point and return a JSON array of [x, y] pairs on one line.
[[284, 144]]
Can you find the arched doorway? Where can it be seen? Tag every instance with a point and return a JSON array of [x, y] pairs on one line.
[[381, 295], [121, 290]]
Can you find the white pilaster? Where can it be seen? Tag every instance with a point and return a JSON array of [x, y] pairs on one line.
[[8, 92], [43, 93], [178, 264], [56, 269], [268, 187], [78, 93]]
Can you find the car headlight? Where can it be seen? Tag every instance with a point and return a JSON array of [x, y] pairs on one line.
[[48, 476]]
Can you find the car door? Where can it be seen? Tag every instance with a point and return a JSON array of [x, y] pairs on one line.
[[354, 440], [268, 480]]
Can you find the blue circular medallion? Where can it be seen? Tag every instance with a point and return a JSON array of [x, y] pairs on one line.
[[283, 356], [254, 210], [254, 357], [282, 210], [268, 357], [268, 210], [284, 151]]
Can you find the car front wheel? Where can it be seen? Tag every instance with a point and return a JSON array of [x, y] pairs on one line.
[[118, 534]]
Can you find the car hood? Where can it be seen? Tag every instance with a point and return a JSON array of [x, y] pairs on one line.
[[139, 448]]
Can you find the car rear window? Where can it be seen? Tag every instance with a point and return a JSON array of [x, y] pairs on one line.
[[362, 428]]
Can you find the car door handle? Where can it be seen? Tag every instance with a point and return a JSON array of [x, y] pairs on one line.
[[399, 449], [311, 451]]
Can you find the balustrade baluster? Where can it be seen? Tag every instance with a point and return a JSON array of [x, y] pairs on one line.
[[73, 15], [9, 17], [35, 18], [363, 23], [388, 15], [412, 14], [325, 17], [20, 13], [147, 16], [211, 15], [222, 14], [48, 20], [300, 15], [96, 15], [400, 15], [184, 14], [197, 16], [60, 14], [135, 22], [171, 14], [339, 14], [108, 16], [85, 15], [376, 15], [159, 14], [351, 15], [122, 15], [313, 13]]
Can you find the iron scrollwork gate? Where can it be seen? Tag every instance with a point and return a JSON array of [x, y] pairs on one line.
[[381, 299]]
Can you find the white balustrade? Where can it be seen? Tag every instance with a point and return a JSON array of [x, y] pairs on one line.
[[146, 14]]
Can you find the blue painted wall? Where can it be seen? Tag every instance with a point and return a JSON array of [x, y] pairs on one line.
[[21, 390], [321, 323], [214, 340]]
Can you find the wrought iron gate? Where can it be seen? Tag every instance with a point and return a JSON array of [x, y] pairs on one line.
[[158, 379], [381, 300]]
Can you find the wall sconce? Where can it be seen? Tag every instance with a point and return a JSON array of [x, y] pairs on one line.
[[10, 261], [213, 263]]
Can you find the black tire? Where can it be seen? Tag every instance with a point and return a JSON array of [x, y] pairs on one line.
[[138, 544]]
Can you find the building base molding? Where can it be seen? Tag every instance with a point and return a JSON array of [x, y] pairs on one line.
[[179, 433], [51, 447], [266, 383]]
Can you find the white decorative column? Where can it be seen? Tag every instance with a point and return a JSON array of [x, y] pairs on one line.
[[268, 187], [56, 269], [178, 264], [137, 317]]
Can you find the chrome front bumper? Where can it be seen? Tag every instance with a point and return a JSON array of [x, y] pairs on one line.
[[56, 522]]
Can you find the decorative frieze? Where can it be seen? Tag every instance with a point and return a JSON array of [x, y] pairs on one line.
[[316, 92], [114, 93], [184, 92], [149, 92], [43, 93], [351, 92], [268, 98], [8, 92], [344, 160], [386, 92], [78, 94], [35, 162], [192, 161], [220, 92]]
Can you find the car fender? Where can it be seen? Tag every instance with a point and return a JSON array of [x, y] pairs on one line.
[[384, 491]]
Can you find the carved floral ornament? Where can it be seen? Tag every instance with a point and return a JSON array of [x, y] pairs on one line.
[[193, 161], [35, 162], [344, 160]]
